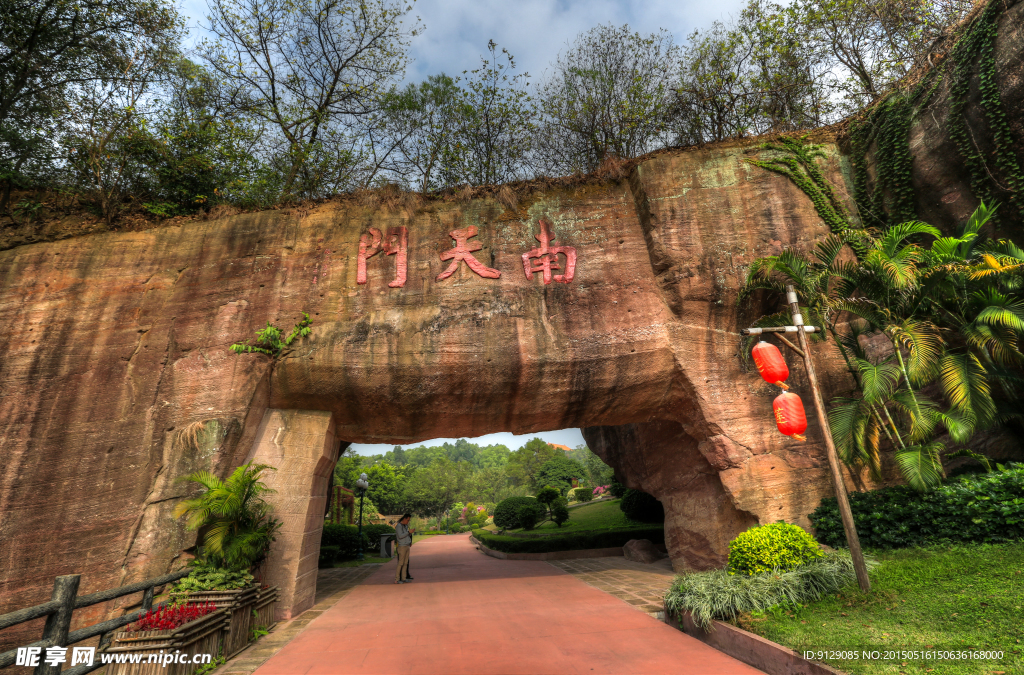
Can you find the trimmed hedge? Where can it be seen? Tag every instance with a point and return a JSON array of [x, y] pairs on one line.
[[987, 507], [344, 540], [576, 541], [642, 507], [777, 546], [506, 513]]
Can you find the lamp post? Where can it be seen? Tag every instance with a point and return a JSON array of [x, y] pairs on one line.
[[362, 484]]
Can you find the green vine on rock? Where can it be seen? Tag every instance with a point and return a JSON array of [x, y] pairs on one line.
[[271, 340], [887, 197], [978, 46], [797, 164]]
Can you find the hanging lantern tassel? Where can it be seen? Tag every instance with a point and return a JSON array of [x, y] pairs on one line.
[[789, 415], [770, 364]]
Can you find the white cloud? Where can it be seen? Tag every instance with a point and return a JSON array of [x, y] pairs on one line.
[[534, 31]]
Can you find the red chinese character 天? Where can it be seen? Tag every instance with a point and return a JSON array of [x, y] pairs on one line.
[[463, 251], [545, 258], [396, 243]]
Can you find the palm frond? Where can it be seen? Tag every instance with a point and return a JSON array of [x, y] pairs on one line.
[[921, 465]]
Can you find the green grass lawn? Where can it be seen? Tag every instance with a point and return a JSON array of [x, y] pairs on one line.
[[597, 516], [950, 598]]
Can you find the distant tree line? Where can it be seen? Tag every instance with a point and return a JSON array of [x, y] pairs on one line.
[[429, 480], [286, 101]]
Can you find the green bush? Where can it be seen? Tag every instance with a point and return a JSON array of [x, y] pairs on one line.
[[530, 513], [373, 532], [583, 494], [328, 554], [506, 513], [204, 577], [617, 489], [642, 507], [345, 538], [778, 546], [987, 507], [720, 595], [559, 511], [547, 494]]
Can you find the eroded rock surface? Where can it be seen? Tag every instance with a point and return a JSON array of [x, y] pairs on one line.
[[114, 344]]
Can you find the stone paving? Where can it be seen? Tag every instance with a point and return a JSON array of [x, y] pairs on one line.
[[639, 585], [331, 586]]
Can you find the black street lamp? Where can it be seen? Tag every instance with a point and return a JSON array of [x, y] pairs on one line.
[[362, 484]]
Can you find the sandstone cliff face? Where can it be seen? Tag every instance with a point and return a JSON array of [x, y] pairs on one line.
[[113, 344]]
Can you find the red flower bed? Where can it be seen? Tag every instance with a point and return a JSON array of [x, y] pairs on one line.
[[166, 618]]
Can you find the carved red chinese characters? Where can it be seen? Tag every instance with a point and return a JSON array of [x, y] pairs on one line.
[[395, 243], [770, 364], [789, 415], [545, 258], [463, 251]]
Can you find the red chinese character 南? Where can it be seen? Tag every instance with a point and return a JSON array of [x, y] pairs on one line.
[[463, 251], [396, 242], [545, 258]]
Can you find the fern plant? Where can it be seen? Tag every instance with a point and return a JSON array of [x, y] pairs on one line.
[[234, 514], [272, 341]]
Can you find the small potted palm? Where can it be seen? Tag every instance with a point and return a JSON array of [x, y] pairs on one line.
[[236, 529]]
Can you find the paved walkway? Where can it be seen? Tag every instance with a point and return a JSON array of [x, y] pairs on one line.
[[331, 586], [469, 613], [642, 586]]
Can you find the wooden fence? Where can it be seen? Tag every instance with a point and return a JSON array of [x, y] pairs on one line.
[[63, 602]]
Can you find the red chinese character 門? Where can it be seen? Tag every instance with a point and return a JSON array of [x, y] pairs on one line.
[[463, 251], [545, 258], [395, 243]]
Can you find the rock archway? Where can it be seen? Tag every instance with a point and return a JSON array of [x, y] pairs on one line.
[[117, 342]]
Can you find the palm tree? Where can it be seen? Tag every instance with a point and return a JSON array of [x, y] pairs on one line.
[[234, 514], [949, 325]]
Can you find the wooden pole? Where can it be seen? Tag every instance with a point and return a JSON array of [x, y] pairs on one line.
[[55, 633], [830, 448]]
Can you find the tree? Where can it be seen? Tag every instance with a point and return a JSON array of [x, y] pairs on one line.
[[950, 330], [52, 49], [524, 463], [597, 472], [386, 488], [494, 135], [606, 97], [434, 489], [311, 70], [348, 468], [559, 473], [234, 515]]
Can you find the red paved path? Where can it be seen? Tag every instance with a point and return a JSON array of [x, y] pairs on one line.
[[470, 613]]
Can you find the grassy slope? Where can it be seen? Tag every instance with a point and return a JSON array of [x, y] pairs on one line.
[[949, 597], [597, 516]]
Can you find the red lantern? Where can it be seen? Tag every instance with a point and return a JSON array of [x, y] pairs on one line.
[[789, 415], [770, 364]]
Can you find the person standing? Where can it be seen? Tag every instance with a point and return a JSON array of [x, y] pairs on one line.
[[403, 538]]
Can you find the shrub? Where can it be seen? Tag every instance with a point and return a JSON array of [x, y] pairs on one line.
[[547, 495], [583, 494], [373, 532], [205, 577], [506, 512], [328, 554], [617, 489], [778, 546], [345, 538], [530, 513], [642, 507], [560, 511], [987, 507], [720, 595], [570, 541]]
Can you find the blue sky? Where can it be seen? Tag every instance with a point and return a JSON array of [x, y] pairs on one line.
[[570, 437], [534, 31]]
